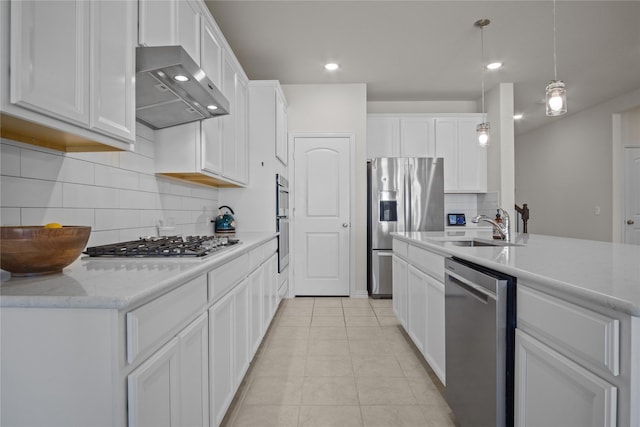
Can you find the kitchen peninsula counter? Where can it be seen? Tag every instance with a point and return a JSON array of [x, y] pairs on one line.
[[602, 273], [116, 283], [577, 326]]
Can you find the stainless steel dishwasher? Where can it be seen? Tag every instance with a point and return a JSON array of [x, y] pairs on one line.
[[480, 319]]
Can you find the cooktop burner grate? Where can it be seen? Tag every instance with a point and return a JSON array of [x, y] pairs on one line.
[[170, 246]]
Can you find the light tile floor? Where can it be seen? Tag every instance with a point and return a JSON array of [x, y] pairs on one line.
[[338, 362]]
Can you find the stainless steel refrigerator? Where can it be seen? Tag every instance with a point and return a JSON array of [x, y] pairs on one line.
[[404, 194]]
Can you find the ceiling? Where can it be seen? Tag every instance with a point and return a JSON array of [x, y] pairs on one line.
[[430, 50]]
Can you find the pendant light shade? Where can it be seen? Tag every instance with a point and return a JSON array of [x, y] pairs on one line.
[[483, 133], [556, 98], [556, 93], [482, 130]]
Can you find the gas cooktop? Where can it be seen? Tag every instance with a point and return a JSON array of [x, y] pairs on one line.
[[169, 246]]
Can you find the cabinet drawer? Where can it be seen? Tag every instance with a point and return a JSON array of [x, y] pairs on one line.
[[223, 278], [571, 329], [270, 248], [262, 253], [152, 324], [256, 257], [400, 248], [426, 261]]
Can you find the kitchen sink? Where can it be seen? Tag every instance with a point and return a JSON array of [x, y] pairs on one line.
[[477, 242]]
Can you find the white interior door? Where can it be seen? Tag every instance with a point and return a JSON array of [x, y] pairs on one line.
[[632, 195], [321, 215]]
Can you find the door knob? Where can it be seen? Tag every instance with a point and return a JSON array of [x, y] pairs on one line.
[[345, 224], [630, 222]]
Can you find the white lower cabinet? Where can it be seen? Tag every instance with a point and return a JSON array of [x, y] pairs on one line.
[[571, 360], [417, 307], [194, 373], [154, 389], [176, 360], [434, 350], [256, 329], [418, 301], [221, 354], [242, 330], [170, 388], [270, 286], [399, 280], [552, 390]]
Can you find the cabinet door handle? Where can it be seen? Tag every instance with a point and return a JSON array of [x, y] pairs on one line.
[[630, 222], [345, 224]]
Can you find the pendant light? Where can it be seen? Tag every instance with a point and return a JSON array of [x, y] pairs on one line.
[[556, 93], [483, 128]]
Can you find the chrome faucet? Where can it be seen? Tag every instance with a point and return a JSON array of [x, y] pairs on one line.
[[504, 229]]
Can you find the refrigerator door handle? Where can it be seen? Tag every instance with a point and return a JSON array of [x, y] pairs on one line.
[[407, 196]]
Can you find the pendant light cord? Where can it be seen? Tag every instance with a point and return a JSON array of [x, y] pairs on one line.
[[555, 59], [484, 119]]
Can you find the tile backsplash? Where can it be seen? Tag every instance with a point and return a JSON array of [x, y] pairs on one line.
[[488, 203], [471, 205], [116, 193]]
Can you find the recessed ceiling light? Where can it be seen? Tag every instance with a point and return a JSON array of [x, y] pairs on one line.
[[494, 65], [331, 66], [181, 78], [517, 117]]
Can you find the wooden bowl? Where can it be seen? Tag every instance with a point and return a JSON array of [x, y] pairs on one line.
[[36, 250]]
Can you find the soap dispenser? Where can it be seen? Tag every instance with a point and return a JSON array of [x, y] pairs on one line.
[[496, 231]]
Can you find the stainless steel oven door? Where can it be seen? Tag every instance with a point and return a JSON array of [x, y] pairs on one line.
[[282, 196], [283, 244]]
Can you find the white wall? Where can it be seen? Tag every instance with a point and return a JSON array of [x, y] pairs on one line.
[[338, 108], [566, 169], [116, 193], [500, 155], [421, 107]]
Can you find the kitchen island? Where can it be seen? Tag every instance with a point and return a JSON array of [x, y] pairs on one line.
[[578, 319], [150, 341]]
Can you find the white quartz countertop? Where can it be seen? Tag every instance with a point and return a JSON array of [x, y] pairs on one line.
[[118, 283], [603, 273]]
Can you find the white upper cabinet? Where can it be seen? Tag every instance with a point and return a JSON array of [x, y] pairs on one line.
[[189, 21], [242, 140], [112, 88], [383, 137], [157, 23], [234, 125], [71, 69], [49, 67], [167, 23], [416, 137], [211, 63], [282, 141], [399, 136], [465, 162], [216, 148], [211, 53], [452, 137], [256, 204], [447, 134]]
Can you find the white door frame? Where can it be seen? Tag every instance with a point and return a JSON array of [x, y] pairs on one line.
[[625, 202], [619, 208], [293, 231]]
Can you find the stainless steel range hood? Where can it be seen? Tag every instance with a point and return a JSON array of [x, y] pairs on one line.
[[162, 100]]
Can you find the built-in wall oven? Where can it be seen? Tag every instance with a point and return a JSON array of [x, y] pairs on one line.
[[282, 221]]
